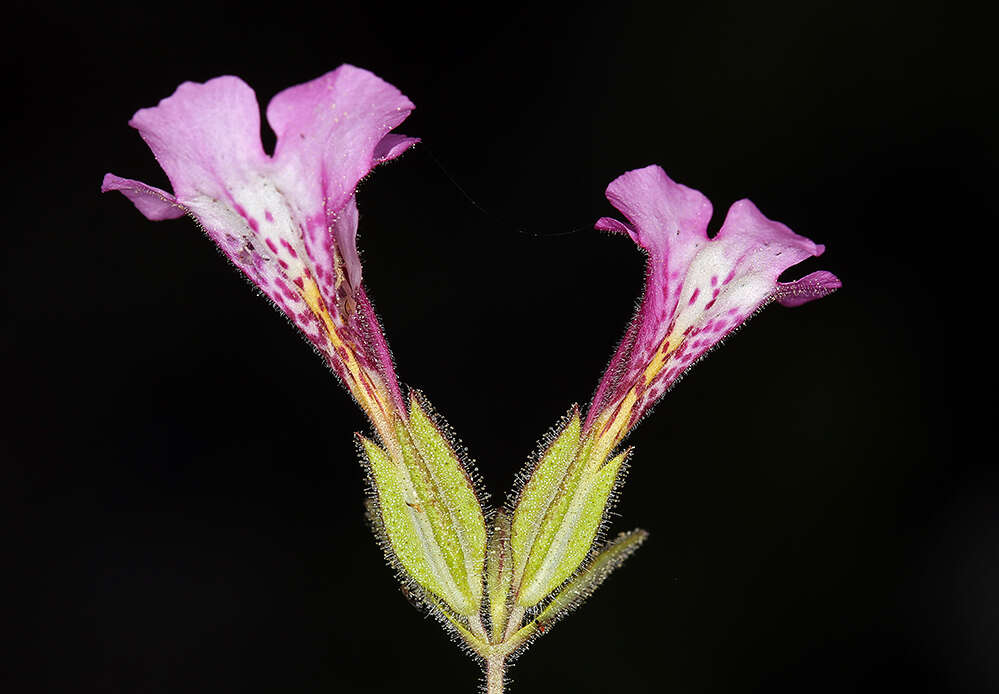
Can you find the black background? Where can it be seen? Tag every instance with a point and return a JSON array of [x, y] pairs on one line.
[[187, 501]]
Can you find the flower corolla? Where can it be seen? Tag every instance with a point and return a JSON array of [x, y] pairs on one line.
[[287, 221], [697, 289]]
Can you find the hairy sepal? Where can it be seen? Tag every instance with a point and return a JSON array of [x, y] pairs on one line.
[[454, 502], [582, 586], [559, 512], [404, 534], [547, 484], [429, 513], [499, 573], [576, 591]]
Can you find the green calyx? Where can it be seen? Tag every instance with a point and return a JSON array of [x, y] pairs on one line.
[[430, 513], [497, 579]]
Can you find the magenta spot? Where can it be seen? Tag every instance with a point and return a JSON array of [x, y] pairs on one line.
[[733, 310], [253, 223], [693, 297], [299, 282], [283, 264], [270, 244], [239, 210], [729, 278], [709, 304], [291, 249], [268, 216], [714, 280]]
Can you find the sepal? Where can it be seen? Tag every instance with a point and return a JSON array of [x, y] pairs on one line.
[[576, 591], [585, 583], [429, 513], [559, 512], [393, 516], [454, 507], [551, 481], [499, 573], [571, 530]]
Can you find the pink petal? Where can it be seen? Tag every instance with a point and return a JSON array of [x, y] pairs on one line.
[[808, 288], [698, 290], [392, 146], [205, 136], [154, 203], [618, 227], [345, 239], [331, 132]]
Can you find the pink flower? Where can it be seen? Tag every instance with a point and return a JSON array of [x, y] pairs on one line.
[[698, 290], [287, 221]]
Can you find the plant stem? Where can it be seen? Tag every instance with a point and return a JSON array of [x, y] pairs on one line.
[[494, 675]]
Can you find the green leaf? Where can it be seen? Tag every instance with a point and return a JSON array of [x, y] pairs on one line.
[[569, 530]]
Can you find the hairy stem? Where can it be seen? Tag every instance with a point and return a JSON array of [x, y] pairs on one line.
[[494, 675]]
